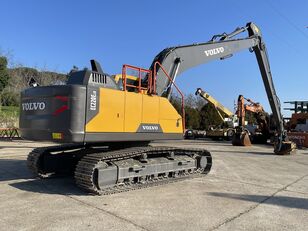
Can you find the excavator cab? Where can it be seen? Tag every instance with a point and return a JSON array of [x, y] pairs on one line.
[[130, 79]]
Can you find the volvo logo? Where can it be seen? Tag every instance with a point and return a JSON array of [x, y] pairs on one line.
[[214, 51], [33, 106], [150, 127]]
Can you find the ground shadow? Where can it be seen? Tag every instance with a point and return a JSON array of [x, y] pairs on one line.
[[283, 201], [13, 169], [63, 185]]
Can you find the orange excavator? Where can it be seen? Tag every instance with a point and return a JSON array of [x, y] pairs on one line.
[[261, 134], [297, 126]]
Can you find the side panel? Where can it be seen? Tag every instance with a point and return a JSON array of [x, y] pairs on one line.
[[133, 111], [53, 113], [110, 117], [169, 119], [129, 116], [150, 109]]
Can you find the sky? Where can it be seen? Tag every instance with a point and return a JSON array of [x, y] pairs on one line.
[[58, 34]]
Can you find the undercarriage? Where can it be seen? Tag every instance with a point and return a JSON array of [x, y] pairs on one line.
[[102, 170]]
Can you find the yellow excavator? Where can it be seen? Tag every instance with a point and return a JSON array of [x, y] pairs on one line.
[[228, 119], [106, 123]]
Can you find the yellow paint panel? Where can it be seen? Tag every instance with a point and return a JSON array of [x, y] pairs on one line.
[[133, 110], [166, 110], [171, 126], [169, 119], [150, 109], [111, 112], [121, 111]]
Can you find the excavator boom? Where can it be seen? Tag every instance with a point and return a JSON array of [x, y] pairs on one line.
[[181, 58], [221, 109], [178, 59]]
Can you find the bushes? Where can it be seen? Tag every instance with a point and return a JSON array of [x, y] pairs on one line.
[[9, 117], [9, 98], [198, 114], [4, 76]]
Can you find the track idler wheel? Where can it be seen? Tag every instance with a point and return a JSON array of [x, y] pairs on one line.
[[241, 139], [287, 148]]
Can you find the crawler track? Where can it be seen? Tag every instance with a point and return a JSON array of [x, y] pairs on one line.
[[85, 161], [68, 154], [85, 170]]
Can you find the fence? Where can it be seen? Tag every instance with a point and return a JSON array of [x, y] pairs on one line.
[[9, 133]]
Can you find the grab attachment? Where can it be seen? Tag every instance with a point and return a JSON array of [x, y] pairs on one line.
[[241, 137]]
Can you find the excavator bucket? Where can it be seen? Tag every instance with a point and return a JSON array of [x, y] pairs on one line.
[[287, 148], [241, 139]]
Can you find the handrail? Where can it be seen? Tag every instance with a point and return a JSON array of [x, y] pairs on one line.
[[176, 87], [140, 70], [151, 88]]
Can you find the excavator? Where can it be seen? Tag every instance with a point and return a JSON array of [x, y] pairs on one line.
[[104, 125], [297, 126], [242, 136], [228, 119]]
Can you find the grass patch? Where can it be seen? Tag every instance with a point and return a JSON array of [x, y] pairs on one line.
[[9, 116], [9, 110]]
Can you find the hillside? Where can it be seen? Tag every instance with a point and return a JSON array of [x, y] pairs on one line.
[[19, 79], [14, 80]]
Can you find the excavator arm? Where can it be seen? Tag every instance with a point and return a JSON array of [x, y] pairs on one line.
[[219, 107], [176, 60]]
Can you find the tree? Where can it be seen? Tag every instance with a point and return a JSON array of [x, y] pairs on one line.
[[176, 102], [9, 98], [209, 117], [4, 75], [198, 114], [192, 118]]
